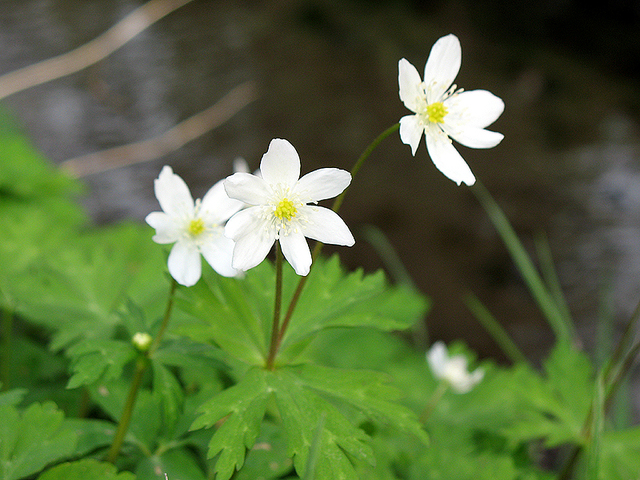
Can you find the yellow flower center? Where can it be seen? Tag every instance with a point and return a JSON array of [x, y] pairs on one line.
[[196, 227], [285, 210], [436, 112]]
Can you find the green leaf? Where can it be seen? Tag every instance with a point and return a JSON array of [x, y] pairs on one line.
[[236, 314], [554, 408], [301, 410], [32, 439], [242, 407], [93, 360], [230, 313], [620, 454], [305, 395], [92, 434], [86, 469], [168, 393], [369, 392], [12, 397], [332, 299], [80, 291], [268, 457], [176, 464], [24, 172]]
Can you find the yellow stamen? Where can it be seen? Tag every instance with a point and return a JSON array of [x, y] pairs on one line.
[[196, 227], [285, 210], [437, 111]]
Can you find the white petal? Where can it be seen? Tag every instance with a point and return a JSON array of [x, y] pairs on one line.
[[252, 248], [185, 264], [296, 251], [437, 357], [247, 188], [477, 108], [173, 194], [218, 253], [447, 159], [410, 83], [477, 137], [322, 183], [442, 66], [216, 205], [411, 131], [167, 228], [325, 226], [244, 222], [281, 163]]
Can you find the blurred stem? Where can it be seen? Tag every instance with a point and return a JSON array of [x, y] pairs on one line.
[[7, 338], [142, 364], [433, 401], [551, 276], [497, 332], [399, 273], [562, 327], [623, 344], [275, 327], [356, 167], [318, 248]]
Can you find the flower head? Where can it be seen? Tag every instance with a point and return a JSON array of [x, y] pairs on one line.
[[452, 370], [195, 227], [279, 209], [442, 112]]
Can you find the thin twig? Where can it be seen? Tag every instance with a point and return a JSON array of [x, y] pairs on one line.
[[169, 141], [91, 52]]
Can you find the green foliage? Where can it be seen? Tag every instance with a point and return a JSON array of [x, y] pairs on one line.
[[84, 470], [554, 408], [80, 292], [236, 314], [305, 395], [31, 439]]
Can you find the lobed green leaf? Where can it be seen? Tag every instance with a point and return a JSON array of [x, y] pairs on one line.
[[32, 439]]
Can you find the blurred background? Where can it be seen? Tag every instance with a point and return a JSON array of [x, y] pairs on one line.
[[326, 80]]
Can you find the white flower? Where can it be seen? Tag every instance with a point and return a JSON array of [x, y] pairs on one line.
[[452, 370], [279, 209], [195, 227], [444, 113]]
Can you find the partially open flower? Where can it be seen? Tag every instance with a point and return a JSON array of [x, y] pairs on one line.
[[443, 112], [279, 209], [452, 370], [195, 227]]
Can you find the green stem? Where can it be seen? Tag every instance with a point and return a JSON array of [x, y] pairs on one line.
[[433, 401], [275, 327], [125, 419], [7, 336], [141, 367], [497, 331], [367, 152], [562, 327], [316, 251], [626, 338]]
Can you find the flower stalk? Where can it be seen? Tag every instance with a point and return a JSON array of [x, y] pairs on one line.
[[275, 328], [441, 389], [142, 364]]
